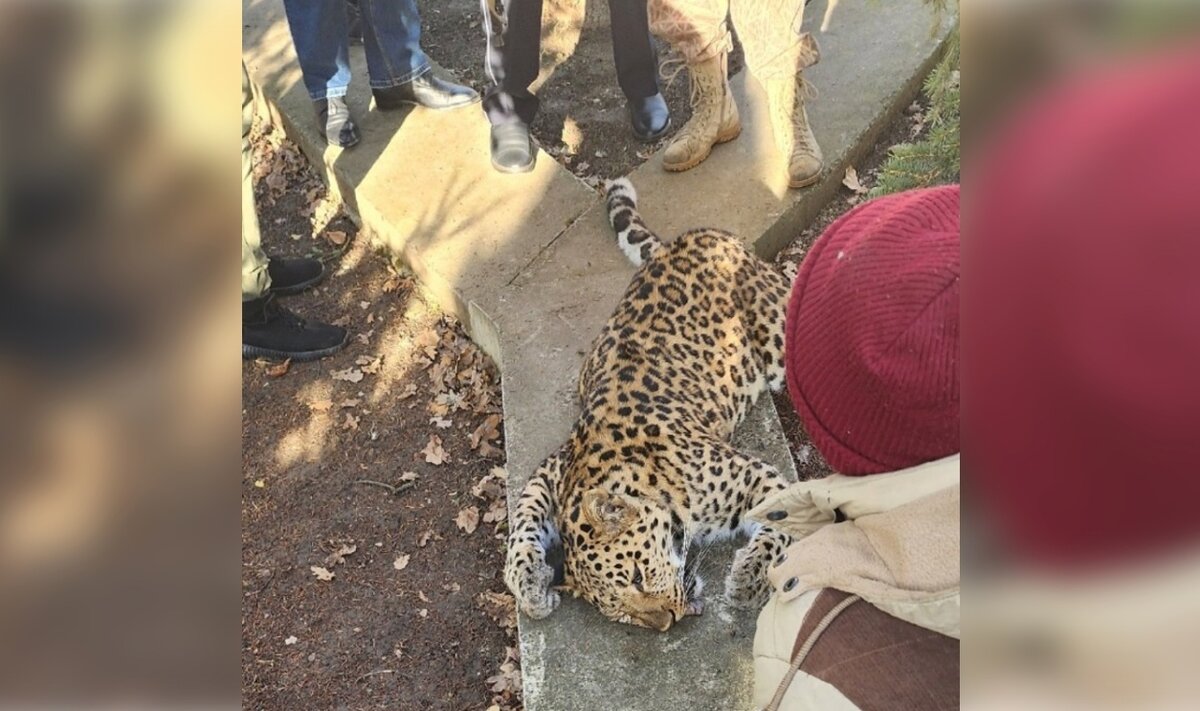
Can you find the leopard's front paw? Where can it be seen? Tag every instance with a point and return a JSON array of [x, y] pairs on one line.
[[746, 586], [529, 578]]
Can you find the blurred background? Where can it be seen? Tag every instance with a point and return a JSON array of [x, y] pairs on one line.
[[1081, 309], [119, 208], [119, 422]]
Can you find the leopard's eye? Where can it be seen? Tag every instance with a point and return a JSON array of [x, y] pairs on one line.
[[637, 577]]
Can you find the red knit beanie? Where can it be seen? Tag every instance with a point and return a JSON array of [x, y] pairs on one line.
[[872, 334], [1083, 373]]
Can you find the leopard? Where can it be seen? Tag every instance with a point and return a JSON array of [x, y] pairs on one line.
[[649, 471]]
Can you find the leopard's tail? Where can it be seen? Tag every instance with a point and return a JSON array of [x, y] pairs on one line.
[[633, 236]]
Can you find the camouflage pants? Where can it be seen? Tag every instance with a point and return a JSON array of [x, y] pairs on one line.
[[768, 29]]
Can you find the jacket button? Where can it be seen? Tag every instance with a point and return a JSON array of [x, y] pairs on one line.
[[782, 557], [777, 515], [790, 584]]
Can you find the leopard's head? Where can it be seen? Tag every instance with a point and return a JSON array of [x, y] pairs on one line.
[[620, 555]]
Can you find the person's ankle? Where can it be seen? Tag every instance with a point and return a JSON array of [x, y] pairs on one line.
[[334, 122]]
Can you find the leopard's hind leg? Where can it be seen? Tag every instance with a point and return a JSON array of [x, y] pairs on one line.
[[762, 295]]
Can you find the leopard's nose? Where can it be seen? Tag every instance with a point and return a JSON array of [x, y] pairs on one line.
[[660, 620]]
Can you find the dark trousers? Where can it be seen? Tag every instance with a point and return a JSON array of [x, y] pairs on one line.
[[514, 59]]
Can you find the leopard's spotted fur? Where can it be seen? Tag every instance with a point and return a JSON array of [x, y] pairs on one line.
[[649, 468]]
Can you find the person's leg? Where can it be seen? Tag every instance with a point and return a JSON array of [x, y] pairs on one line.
[[513, 61], [696, 29], [255, 278], [319, 35], [776, 54], [633, 48], [400, 71], [698, 32], [637, 68], [392, 38], [269, 330], [514, 43]]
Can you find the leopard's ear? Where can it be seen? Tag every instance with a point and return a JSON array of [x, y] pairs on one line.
[[609, 514]]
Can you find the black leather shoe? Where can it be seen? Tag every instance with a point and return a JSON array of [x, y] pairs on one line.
[[333, 118], [650, 117], [271, 331], [426, 90], [512, 148], [294, 275]]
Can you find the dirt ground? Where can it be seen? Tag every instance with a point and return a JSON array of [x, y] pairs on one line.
[[380, 467], [373, 510]]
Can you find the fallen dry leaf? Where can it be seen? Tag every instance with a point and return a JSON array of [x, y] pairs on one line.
[[441, 424], [401, 562], [350, 402], [350, 375], [321, 573], [468, 519], [291, 640], [427, 341], [322, 405], [851, 181], [337, 237], [501, 607], [497, 512], [424, 539], [486, 431], [338, 556], [451, 587], [350, 423], [409, 476], [275, 370], [369, 364], [424, 598], [423, 612], [487, 451], [434, 454], [489, 487]]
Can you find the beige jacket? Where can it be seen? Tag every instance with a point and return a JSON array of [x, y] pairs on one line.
[[896, 552]]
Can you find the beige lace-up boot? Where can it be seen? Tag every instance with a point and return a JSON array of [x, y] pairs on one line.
[[793, 135], [777, 53], [714, 116]]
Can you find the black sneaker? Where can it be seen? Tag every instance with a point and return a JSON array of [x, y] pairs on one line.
[[426, 90], [294, 275], [512, 148], [271, 331], [333, 120]]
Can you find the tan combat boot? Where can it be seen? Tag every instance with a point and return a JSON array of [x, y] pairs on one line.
[[793, 135], [714, 117]]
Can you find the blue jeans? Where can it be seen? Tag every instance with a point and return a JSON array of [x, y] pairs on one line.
[[391, 37]]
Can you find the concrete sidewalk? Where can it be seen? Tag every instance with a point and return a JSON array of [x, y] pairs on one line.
[[529, 264]]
